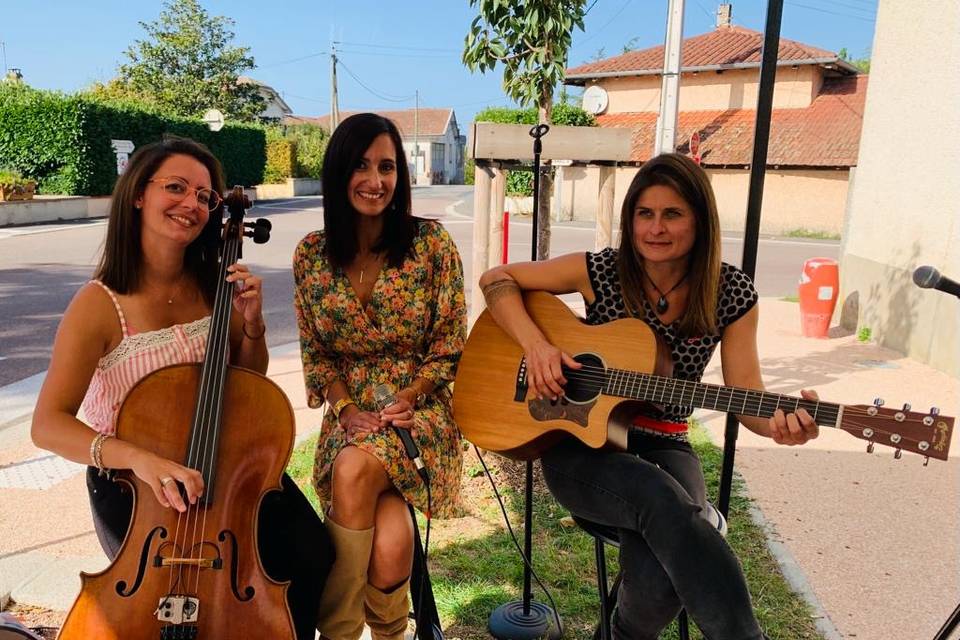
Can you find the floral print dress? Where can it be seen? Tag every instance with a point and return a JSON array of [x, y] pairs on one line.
[[414, 325]]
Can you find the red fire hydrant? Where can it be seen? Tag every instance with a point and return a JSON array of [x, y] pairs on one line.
[[819, 284]]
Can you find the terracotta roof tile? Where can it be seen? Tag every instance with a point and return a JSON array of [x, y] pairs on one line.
[[825, 134], [433, 122], [722, 46]]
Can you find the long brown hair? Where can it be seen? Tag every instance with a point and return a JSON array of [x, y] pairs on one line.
[[684, 176], [349, 142], [121, 263]]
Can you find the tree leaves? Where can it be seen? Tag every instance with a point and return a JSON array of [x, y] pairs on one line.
[[186, 65], [530, 39]]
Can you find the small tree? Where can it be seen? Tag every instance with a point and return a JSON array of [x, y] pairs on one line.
[[187, 66], [531, 40], [863, 64]]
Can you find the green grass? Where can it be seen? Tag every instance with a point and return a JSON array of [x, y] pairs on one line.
[[809, 233], [864, 334], [473, 572]]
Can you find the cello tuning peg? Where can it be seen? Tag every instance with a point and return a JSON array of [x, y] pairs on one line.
[[869, 447], [878, 402], [906, 406], [934, 411], [898, 454]]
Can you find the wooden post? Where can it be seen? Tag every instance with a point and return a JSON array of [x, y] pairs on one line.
[[604, 238], [498, 196], [483, 177]]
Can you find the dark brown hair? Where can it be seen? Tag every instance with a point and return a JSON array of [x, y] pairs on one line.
[[684, 176], [121, 263], [349, 142]]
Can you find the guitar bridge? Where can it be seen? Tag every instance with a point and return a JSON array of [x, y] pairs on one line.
[[520, 393]]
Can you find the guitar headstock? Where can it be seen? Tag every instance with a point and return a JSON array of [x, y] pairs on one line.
[[927, 434]]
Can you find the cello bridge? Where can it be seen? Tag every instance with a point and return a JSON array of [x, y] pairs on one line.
[[200, 563]]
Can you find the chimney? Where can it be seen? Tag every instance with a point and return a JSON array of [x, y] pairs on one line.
[[724, 12]]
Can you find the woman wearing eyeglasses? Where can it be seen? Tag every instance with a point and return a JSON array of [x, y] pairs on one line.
[[148, 307]]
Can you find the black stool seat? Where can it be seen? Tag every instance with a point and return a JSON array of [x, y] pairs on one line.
[[606, 534]]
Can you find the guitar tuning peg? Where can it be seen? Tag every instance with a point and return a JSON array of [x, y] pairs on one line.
[[869, 447], [878, 402], [934, 411], [906, 406], [898, 454]]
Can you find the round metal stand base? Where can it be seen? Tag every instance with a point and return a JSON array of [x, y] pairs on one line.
[[508, 622]]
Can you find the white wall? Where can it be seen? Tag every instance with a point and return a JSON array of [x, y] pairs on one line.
[[904, 206]]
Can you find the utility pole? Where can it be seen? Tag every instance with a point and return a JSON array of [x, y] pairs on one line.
[[334, 102], [3, 48], [416, 137], [666, 140]]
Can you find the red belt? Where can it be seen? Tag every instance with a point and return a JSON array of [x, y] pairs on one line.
[[658, 425]]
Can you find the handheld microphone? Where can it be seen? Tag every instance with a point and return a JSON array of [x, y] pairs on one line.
[[383, 396], [927, 277]]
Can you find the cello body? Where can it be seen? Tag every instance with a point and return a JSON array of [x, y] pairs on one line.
[[236, 599], [198, 575]]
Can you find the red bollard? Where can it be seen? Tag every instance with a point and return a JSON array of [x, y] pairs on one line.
[[506, 238], [819, 288]]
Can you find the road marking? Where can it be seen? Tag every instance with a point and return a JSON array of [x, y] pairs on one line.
[[29, 231]]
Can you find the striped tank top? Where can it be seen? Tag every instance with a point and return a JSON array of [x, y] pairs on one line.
[[137, 355]]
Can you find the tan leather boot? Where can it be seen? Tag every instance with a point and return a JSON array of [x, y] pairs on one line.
[[340, 616], [387, 611]]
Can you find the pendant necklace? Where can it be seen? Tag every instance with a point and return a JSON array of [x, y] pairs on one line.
[[176, 290], [373, 256], [662, 304]]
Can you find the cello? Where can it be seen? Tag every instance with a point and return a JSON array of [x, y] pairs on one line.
[[198, 575]]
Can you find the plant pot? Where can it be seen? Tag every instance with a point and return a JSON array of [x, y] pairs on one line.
[[10, 192]]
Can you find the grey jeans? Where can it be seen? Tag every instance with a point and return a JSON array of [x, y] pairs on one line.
[[670, 556]]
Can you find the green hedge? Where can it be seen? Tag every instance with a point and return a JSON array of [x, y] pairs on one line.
[[281, 158], [63, 141]]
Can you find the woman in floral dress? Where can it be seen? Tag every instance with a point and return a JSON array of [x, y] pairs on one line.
[[379, 300]]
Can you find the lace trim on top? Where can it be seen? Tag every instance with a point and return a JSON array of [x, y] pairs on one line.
[[137, 342]]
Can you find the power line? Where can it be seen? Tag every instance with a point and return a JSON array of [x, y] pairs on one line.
[[402, 48], [379, 95], [306, 57], [393, 55], [835, 13], [605, 24]]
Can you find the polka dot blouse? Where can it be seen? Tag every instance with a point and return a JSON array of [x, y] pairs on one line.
[[690, 353]]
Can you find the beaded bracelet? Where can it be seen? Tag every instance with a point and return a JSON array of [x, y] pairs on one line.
[[96, 453]]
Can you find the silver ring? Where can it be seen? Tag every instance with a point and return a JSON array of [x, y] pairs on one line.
[[165, 481]]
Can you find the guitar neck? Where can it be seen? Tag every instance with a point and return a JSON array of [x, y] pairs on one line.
[[686, 393]]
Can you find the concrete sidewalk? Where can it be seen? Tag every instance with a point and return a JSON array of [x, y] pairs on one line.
[[875, 541]]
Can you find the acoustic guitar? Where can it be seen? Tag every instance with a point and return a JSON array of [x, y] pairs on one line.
[[624, 366]]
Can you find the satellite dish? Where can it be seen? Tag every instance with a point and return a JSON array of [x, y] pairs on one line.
[[595, 99], [214, 119]]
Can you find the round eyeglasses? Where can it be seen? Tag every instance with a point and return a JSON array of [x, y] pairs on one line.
[[178, 189]]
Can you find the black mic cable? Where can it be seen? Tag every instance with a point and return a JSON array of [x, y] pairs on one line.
[[383, 396]]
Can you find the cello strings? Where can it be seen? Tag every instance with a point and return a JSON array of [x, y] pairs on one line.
[[213, 408]]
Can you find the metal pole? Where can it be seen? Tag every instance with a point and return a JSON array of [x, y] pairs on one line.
[[666, 140], [334, 98], [761, 139], [416, 138]]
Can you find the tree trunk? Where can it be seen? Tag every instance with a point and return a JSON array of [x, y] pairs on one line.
[[546, 188]]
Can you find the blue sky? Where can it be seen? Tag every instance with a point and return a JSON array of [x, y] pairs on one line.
[[392, 48]]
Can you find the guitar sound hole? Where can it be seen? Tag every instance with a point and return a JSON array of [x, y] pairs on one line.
[[586, 383]]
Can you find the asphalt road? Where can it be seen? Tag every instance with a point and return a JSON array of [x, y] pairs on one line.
[[42, 266]]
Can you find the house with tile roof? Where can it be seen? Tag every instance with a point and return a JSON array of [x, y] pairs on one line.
[[814, 134], [275, 107], [431, 135]]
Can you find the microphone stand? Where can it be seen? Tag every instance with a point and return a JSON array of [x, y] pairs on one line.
[[527, 619]]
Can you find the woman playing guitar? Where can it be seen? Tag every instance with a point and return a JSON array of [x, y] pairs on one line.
[[148, 307], [666, 271]]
